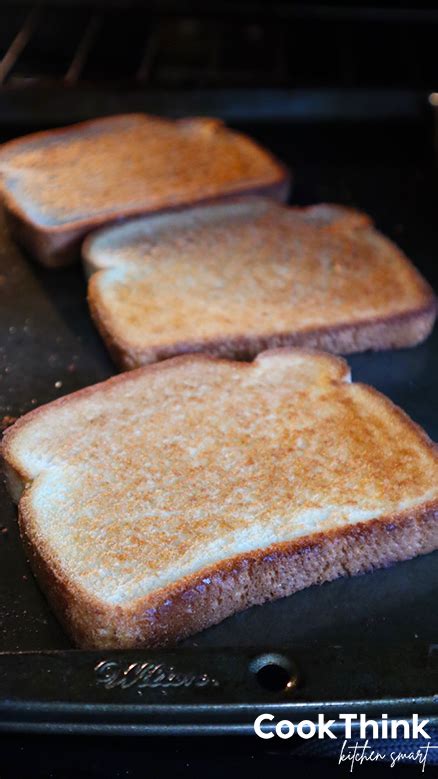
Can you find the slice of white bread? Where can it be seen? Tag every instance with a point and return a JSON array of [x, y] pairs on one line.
[[239, 278], [60, 184], [165, 499]]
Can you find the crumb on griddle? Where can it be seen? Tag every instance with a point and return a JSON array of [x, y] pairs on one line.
[[6, 421]]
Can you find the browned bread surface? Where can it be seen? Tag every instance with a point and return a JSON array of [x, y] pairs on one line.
[[60, 184], [161, 501], [237, 278]]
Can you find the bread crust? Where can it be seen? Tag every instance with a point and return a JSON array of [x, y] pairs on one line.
[[59, 245], [216, 592], [393, 332], [198, 602]]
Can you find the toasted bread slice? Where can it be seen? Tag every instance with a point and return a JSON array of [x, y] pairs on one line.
[[237, 278], [60, 184], [165, 499]]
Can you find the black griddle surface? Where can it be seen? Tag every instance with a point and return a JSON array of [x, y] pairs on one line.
[[49, 347]]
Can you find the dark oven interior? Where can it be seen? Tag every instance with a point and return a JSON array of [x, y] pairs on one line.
[[247, 60]]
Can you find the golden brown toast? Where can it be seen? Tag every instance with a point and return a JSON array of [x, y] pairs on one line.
[[237, 278], [165, 499], [60, 184]]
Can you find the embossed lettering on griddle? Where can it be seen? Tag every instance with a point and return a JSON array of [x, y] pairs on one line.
[[111, 674]]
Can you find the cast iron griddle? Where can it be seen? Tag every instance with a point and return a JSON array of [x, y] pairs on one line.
[[351, 643]]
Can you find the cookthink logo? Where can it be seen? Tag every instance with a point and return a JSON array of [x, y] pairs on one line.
[[358, 734]]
